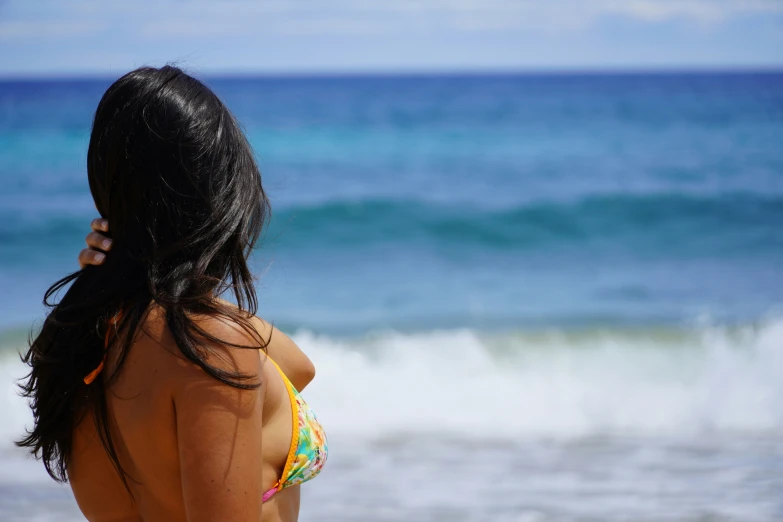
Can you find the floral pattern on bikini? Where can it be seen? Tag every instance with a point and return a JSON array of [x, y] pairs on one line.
[[312, 448]]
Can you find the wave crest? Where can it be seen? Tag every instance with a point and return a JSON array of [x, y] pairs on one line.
[[553, 384], [722, 222], [531, 385]]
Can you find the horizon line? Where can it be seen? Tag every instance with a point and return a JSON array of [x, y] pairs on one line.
[[414, 72]]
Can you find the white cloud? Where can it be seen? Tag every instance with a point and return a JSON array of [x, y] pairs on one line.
[[706, 11], [328, 17]]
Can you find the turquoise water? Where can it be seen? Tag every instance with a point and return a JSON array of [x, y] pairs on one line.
[[592, 262], [487, 202]]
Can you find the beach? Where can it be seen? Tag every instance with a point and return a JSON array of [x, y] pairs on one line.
[[528, 297]]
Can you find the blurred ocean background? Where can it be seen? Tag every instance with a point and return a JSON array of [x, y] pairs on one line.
[[529, 298]]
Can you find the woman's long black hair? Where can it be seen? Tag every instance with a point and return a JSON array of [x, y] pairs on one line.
[[172, 171]]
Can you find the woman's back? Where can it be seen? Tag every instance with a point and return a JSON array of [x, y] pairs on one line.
[[144, 424]]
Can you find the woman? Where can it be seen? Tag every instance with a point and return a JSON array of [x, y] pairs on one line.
[[153, 397]]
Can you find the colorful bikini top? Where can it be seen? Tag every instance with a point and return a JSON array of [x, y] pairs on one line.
[[308, 450]]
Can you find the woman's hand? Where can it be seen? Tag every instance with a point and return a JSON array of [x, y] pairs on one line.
[[97, 244]]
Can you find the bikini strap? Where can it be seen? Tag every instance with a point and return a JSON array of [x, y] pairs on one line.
[[289, 461], [94, 374]]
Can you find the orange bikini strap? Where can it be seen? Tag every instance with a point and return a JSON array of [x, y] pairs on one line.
[[93, 374], [289, 461]]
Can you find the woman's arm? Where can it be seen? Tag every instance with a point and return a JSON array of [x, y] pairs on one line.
[[292, 360], [289, 357]]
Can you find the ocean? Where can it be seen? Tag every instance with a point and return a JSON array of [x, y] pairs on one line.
[[529, 298]]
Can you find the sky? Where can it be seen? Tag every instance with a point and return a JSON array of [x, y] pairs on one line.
[[99, 37]]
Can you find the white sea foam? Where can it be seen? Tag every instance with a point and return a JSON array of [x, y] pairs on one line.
[[530, 385], [522, 402], [551, 384]]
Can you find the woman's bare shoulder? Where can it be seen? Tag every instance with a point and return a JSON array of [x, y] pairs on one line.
[[296, 365], [219, 341]]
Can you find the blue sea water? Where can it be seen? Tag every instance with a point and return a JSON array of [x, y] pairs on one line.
[[487, 202], [604, 252]]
